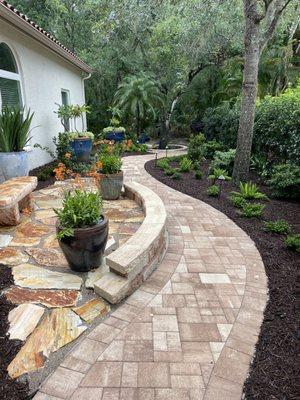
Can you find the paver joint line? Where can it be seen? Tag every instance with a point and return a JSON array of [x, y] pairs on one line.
[[189, 331]]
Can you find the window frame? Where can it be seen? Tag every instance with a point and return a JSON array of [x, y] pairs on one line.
[[68, 122]]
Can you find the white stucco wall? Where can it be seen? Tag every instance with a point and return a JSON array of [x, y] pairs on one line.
[[43, 75]]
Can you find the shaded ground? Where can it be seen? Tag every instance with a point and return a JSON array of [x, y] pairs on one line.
[[275, 370], [9, 389]]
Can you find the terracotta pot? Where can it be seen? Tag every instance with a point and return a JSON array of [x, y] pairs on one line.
[[111, 185], [84, 250]]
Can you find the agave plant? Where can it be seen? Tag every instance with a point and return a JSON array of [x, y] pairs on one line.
[[249, 191], [14, 129]]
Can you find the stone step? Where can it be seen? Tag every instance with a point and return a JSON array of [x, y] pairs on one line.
[[112, 287]]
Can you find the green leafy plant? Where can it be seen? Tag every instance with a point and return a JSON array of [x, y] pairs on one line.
[[249, 191], [80, 135], [278, 226], [252, 210], [185, 164], [196, 147], [80, 210], [224, 160], [163, 163], [45, 174], [217, 173], [111, 163], [213, 190], [211, 147], [72, 111], [293, 242], [14, 129], [169, 171], [116, 129], [237, 201], [176, 176], [198, 175], [285, 181]]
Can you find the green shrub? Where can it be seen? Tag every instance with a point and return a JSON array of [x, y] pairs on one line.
[[278, 226], [293, 242], [249, 191], [217, 173], [163, 163], [198, 175], [80, 209], [213, 190], [170, 171], [196, 147], [176, 176], [237, 201], [185, 165], [111, 163], [14, 129], [45, 174], [277, 126], [252, 210], [175, 158], [285, 181], [224, 160], [211, 147], [221, 123]]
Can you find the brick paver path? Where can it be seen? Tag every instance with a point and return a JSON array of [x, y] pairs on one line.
[[188, 333]]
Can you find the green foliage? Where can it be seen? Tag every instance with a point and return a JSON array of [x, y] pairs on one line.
[[221, 123], [14, 129], [219, 172], [249, 191], [176, 175], [278, 226], [80, 135], [80, 210], [211, 147], [196, 147], [237, 201], [163, 163], [293, 242], [213, 190], [198, 174], [116, 129], [45, 174], [111, 163], [285, 181], [170, 171], [252, 210], [66, 112], [277, 126], [224, 160], [185, 165], [138, 96]]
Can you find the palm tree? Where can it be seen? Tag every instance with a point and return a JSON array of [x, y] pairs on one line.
[[139, 96]]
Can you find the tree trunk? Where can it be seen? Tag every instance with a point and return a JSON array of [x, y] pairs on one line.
[[166, 126], [249, 94]]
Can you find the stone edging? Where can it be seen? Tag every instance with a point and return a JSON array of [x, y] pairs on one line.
[[132, 263]]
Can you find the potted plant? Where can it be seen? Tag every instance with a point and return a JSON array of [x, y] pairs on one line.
[[114, 131], [111, 176], [81, 142], [82, 229], [14, 135]]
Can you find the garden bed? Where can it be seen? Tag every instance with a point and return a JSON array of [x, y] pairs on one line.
[[274, 371]]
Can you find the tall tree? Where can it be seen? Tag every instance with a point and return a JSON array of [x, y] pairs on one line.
[[261, 19]]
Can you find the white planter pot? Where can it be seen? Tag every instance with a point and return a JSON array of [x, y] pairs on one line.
[[13, 165]]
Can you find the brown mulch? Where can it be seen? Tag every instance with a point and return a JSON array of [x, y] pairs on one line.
[[9, 389], [274, 373]]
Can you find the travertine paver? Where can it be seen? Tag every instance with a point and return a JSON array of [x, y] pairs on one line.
[[189, 331]]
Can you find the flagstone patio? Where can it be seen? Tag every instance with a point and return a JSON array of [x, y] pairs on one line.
[[54, 304], [189, 331]]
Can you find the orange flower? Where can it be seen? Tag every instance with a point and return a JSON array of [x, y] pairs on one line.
[[99, 165], [68, 155]]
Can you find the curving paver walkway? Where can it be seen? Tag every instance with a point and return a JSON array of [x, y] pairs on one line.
[[189, 331]]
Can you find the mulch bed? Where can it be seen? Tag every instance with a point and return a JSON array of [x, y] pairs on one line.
[[274, 373], [9, 389]]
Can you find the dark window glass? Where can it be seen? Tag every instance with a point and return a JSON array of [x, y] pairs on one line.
[[65, 102], [10, 93], [7, 61]]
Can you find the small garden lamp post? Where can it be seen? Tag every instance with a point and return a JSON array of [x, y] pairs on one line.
[[156, 155], [221, 179], [167, 151]]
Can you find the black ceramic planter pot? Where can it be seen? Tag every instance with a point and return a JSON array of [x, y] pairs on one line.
[[111, 185], [84, 251]]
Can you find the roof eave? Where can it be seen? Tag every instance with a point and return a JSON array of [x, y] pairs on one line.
[[31, 31]]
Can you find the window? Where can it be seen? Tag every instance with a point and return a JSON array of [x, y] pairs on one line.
[[65, 101], [10, 92]]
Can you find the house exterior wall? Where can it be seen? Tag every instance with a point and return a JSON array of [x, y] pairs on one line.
[[43, 76]]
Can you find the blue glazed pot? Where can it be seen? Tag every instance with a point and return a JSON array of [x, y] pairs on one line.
[[82, 148], [116, 136], [13, 165]]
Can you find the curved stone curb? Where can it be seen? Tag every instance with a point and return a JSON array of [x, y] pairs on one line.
[[132, 263]]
